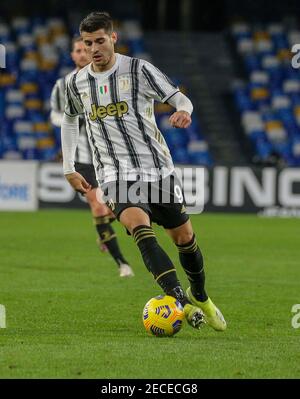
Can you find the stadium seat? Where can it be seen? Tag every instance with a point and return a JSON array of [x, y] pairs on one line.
[[269, 100], [180, 156], [199, 154]]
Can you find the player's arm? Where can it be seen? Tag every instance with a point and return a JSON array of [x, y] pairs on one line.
[[69, 141], [57, 109], [184, 108], [160, 87]]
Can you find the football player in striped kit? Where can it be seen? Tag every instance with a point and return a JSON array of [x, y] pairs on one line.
[[102, 215], [132, 161]]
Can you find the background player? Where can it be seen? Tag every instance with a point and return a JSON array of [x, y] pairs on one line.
[[116, 94], [84, 165]]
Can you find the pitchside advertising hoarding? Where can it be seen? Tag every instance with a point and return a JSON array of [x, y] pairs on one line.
[[267, 191], [18, 186]]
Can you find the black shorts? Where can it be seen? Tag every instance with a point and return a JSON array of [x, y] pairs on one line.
[[162, 200], [88, 172]]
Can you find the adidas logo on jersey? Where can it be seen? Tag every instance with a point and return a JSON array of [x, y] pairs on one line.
[[118, 109]]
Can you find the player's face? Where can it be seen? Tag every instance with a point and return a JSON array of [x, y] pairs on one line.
[[79, 55], [100, 47]]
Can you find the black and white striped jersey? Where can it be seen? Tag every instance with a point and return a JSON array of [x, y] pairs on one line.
[[83, 152], [118, 107]]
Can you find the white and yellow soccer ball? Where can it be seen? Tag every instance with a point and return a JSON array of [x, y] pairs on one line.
[[163, 316]]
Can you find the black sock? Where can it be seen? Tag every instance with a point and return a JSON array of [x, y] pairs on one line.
[[158, 263], [192, 262], [108, 237]]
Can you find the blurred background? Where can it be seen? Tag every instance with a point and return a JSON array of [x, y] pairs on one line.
[[232, 58]]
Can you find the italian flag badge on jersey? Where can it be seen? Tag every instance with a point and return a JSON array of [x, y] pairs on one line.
[[103, 89]]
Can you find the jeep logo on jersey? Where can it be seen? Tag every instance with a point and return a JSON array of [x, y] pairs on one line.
[[100, 111]]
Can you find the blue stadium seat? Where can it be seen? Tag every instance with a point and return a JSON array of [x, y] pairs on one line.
[[180, 155], [198, 153], [276, 98], [176, 138], [201, 158]]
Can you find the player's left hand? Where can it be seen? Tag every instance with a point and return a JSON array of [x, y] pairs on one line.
[[180, 119]]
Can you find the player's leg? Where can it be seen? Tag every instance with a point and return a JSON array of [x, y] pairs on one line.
[[137, 222], [172, 216], [102, 219], [190, 257], [191, 260]]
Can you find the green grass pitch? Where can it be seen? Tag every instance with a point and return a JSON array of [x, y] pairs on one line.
[[69, 315]]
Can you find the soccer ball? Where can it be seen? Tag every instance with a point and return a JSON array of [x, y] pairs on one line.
[[163, 316]]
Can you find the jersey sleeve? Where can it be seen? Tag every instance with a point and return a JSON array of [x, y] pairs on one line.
[[57, 99], [157, 85], [54, 98], [73, 103]]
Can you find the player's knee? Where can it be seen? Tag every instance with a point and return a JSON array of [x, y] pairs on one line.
[[134, 217], [184, 237], [98, 209]]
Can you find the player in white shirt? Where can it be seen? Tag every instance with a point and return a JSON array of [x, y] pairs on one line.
[[102, 215], [132, 160]]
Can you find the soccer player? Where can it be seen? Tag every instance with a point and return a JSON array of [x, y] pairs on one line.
[[116, 95], [102, 215]]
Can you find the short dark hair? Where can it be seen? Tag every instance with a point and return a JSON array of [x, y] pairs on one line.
[[75, 39], [97, 20]]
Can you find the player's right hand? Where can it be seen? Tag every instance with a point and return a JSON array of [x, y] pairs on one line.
[[180, 119], [78, 182]]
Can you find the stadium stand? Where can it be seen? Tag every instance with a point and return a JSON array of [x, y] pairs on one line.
[[268, 99], [38, 54]]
